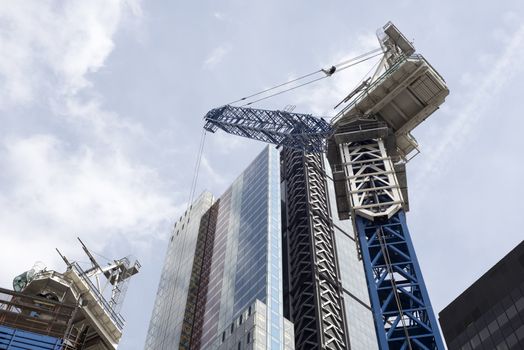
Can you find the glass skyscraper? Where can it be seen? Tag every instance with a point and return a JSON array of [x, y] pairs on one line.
[[265, 266], [222, 257]]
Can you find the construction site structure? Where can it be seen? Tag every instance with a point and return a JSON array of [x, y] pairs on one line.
[[73, 310], [368, 144]]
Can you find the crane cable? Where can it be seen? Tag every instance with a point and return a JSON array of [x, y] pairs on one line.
[[337, 66], [394, 287], [197, 167], [311, 81]]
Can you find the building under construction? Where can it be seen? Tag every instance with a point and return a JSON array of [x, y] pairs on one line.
[[73, 310], [344, 284]]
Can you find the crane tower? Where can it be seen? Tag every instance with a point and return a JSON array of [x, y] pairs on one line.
[[368, 144]]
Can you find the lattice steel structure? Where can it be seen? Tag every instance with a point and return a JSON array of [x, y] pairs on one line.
[[399, 298], [316, 302], [368, 147], [365, 169], [293, 130], [371, 181]]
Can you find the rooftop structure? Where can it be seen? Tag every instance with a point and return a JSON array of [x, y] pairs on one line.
[[71, 307]]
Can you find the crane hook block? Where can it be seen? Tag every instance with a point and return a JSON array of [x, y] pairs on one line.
[[329, 72]]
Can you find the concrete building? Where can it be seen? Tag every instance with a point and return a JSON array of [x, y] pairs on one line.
[[266, 262], [490, 313]]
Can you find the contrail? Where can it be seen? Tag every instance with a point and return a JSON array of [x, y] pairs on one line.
[[468, 115]]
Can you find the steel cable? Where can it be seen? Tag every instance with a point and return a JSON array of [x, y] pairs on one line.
[[309, 82], [340, 64]]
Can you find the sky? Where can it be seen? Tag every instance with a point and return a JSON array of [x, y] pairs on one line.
[[101, 106]]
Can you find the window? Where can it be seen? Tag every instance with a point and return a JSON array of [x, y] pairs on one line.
[[223, 336], [232, 327], [248, 337], [249, 311], [239, 345], [240, 320]]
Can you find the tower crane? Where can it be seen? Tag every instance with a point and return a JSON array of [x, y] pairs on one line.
[[368, 144]]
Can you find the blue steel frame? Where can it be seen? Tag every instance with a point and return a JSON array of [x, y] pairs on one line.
[[293, 130], [11, 338], [403, 315]]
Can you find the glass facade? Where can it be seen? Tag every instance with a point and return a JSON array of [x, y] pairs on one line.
[[501, 327], [249, 331], [166, 322], [226, 255], [490, 313], [17, 339], [242, 263], [247, 251]]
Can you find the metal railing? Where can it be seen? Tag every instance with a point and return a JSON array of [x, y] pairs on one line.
[[99, 297], [401, 59]]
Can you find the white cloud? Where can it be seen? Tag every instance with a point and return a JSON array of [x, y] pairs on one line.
[[216, 56], [48, 47], [207, 170], [82, 179], [467, 111], [219, 16], [56, 193]]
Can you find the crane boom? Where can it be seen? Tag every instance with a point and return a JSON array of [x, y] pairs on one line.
[[282, 128]]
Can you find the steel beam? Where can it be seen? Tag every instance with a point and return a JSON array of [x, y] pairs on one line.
[[404, 318]]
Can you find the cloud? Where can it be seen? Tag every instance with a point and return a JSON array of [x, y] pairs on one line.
[[56, 193], [208, 170], [216, 56], [467, 114], [82, 178], [49, 47], [219, 16]]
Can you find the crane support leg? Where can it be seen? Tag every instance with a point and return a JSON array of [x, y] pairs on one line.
[[367, 172], [402, 310]]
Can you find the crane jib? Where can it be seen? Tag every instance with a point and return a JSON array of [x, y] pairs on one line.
[[282, 128]]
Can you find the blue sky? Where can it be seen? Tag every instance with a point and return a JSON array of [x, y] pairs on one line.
[[101, 106]]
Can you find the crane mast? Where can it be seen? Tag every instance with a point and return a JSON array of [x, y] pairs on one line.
[[368, 146]]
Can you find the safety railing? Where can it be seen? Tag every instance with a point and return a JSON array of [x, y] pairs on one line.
[[99, 297]]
